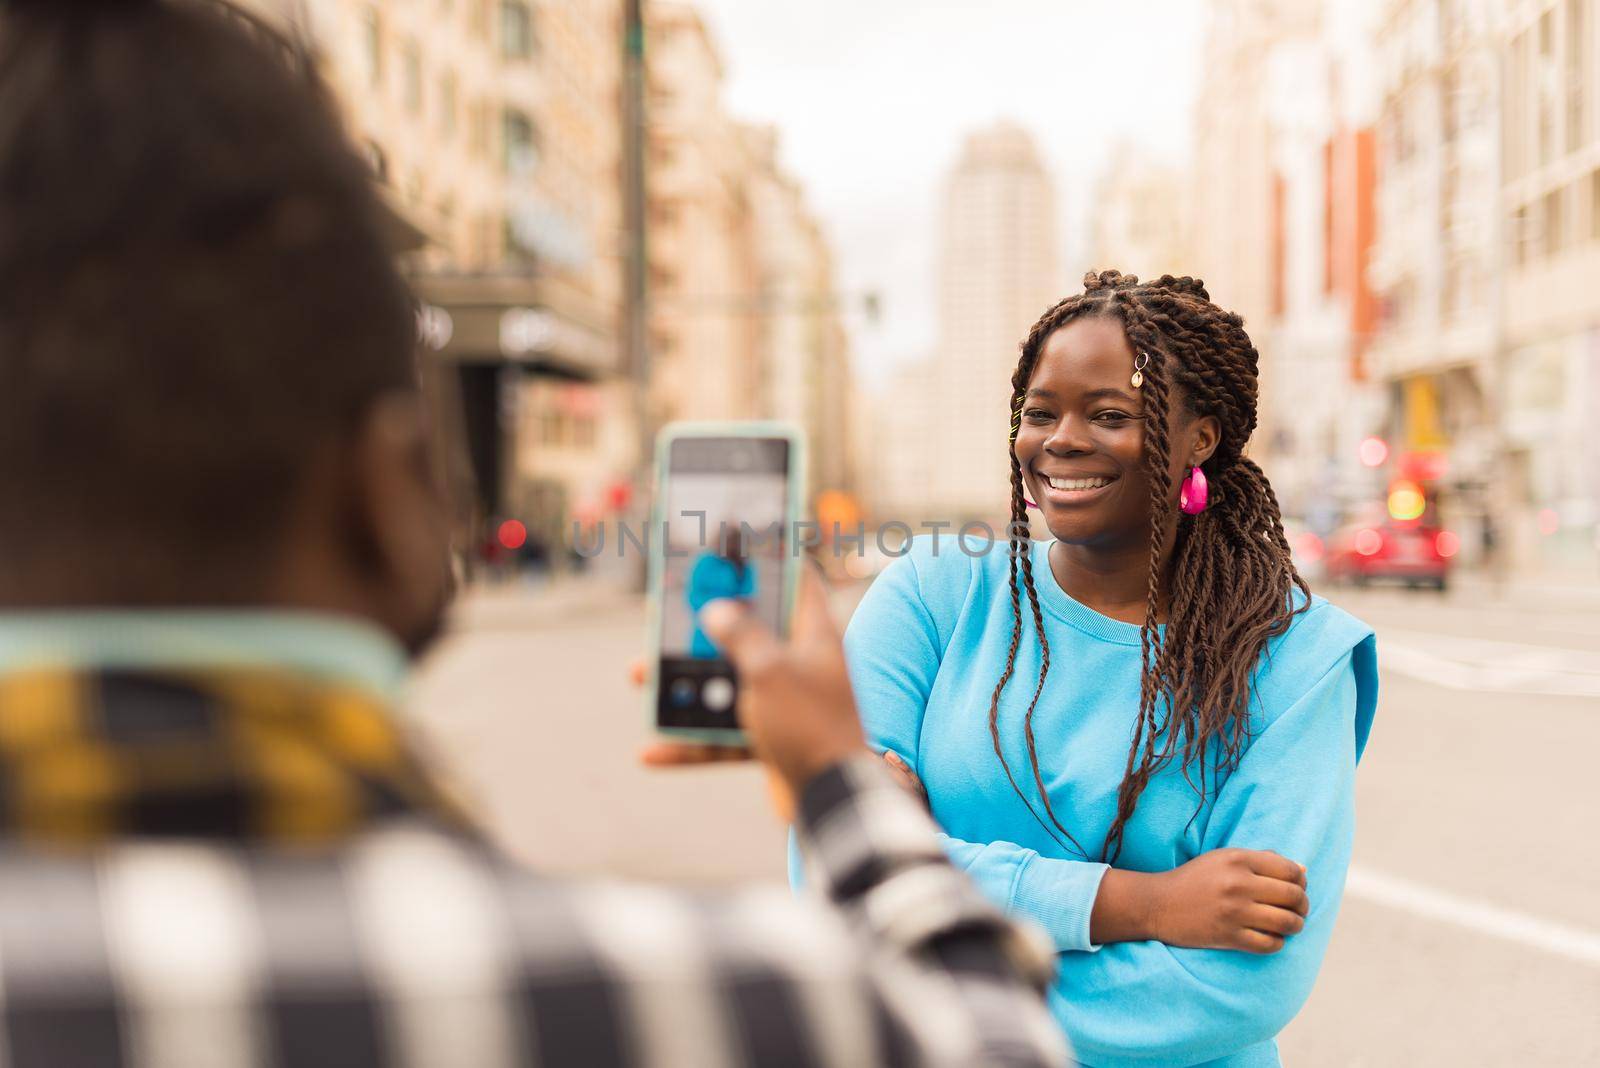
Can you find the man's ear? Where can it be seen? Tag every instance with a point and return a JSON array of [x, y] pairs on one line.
[[403, 525]]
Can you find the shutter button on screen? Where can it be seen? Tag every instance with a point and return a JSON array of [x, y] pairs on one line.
[[717, 694]]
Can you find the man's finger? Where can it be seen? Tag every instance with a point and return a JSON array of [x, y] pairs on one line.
[[813, 618], [737, 633], [687, 754], [638, 671]]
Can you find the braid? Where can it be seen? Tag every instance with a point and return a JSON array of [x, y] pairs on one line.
[[1228, 581]]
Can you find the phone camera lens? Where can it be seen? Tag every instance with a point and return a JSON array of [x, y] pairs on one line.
[[681, 693]]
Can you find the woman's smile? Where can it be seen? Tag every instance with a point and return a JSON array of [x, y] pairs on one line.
[[1066, 489]]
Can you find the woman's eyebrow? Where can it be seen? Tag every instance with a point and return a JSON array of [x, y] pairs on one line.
[[1094, 394]]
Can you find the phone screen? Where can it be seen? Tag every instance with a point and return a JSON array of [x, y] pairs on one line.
[[725, 512]]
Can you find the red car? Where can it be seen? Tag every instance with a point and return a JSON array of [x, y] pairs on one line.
[[1415, 553]]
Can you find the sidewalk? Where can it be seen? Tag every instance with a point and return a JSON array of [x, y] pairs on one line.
[[517, 603]]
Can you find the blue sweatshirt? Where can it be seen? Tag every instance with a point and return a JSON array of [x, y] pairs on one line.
[[927, 646]]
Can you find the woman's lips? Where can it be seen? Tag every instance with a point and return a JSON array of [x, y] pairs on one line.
[[1067, 492]]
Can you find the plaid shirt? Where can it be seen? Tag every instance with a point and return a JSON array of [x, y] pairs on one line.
[[232, 868]]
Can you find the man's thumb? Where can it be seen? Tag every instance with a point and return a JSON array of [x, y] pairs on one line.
[[734, 629]]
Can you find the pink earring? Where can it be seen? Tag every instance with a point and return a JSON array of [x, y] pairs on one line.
[[1193, 494], [1027, 502]]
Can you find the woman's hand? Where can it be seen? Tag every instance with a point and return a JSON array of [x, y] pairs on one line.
[[1241, 899], [905, 776]]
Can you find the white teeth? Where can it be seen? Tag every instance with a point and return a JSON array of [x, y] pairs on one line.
[[1078, 483]]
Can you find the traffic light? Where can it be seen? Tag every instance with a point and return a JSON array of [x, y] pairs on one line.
[[1406, 500]]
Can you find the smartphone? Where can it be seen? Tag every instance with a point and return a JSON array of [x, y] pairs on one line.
[[727, 499]]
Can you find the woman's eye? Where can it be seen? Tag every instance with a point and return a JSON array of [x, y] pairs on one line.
[[1112, 418], [1037, 415]]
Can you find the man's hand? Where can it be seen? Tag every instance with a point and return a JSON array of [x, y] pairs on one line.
[[795, 702], [1239, 899]]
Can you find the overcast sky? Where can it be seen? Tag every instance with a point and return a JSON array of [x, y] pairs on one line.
[[873, 98]]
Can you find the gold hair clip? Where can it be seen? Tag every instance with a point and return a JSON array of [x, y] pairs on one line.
[[1140, 362]]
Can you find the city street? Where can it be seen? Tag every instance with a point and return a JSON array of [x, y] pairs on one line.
[[1469, 934]]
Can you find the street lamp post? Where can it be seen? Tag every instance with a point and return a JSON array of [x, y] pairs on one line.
[[636, 266]]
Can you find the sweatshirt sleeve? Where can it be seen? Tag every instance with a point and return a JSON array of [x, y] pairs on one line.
[[1057, 894], [1141, 1002], [894, 646]]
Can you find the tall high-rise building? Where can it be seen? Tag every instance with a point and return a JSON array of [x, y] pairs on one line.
[[997, 275]]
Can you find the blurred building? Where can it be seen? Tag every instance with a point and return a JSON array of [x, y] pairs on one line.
[[1549, 382], [494, 125], [745, 319], [1318, 328], [1234, 183], [705, 324], [1436, 262], [804, 351], [947, 420], [1141, 217]]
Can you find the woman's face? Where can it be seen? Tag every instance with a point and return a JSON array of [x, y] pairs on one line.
[[1081, 439]]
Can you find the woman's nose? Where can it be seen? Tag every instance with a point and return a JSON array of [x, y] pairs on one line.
[[1068, 436]]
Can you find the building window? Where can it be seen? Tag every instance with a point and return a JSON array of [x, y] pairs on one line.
[[1548, 81], [372, 46], [411, 79], [1594, 205], [1577, 31], [1554, 223], [516, 30], [447, 107], [478, 136], [521, 147], [583, 431]]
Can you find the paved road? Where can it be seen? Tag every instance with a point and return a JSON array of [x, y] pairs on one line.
[[1471, 929]]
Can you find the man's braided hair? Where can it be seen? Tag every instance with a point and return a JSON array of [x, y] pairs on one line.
[[1229, 578]]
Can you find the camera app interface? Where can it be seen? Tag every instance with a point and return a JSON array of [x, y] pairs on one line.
[[725, 515]]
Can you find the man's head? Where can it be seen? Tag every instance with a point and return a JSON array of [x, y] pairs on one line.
[[207, 387]]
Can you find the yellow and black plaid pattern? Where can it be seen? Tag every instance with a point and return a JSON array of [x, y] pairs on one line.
[[90, 756]]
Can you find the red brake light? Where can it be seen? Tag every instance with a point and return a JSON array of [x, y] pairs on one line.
[[512, 534], [1369, 542], [1446, 544]]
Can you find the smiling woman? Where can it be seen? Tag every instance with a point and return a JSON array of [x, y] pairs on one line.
[[1190, 718]]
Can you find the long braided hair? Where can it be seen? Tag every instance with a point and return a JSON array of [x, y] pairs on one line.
[[1229, 577]]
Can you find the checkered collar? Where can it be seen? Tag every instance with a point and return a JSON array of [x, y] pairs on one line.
[[237, 753]]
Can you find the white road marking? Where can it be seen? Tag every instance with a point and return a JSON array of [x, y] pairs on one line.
[[1391, 891], [1460, 663]]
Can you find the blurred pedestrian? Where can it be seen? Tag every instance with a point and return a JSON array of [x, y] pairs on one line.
[[220, 541], [1172, 721]]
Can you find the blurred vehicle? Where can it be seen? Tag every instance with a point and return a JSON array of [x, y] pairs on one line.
[[1377, 548], [1307, 550]]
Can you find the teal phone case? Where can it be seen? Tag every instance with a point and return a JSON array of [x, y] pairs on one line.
[[791, 567]]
